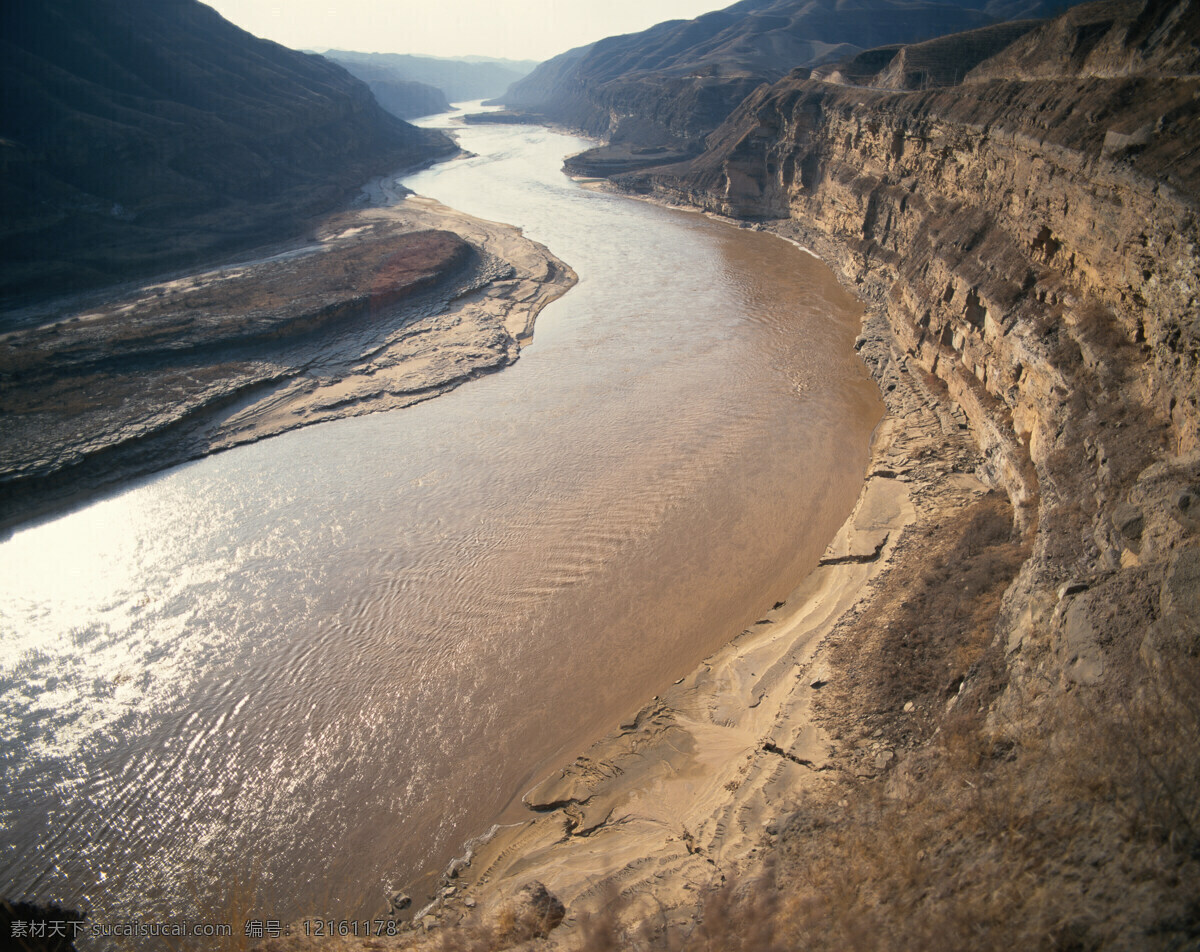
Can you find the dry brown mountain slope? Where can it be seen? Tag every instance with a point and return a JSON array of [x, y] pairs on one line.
[[667, 87]]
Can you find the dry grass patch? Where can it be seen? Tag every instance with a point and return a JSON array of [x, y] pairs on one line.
[[918, 645], [1080, 836]]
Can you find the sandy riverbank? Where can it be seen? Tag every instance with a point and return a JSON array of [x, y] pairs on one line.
[[690, 791], [385, 306]]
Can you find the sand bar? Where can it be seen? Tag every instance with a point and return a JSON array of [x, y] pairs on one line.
[[384, 307]]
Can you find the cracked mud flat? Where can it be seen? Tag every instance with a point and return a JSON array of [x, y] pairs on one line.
[[388, 306]]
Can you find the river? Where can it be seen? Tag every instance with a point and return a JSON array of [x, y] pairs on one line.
[[295, 676]]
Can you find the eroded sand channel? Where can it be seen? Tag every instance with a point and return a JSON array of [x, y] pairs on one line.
[[320, 662]]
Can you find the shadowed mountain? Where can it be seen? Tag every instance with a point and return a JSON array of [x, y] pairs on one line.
[[940, 62], [459, 79], [142, 135], [405, 98], [656, 94]]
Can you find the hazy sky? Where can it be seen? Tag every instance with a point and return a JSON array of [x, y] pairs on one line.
[[516, 29]]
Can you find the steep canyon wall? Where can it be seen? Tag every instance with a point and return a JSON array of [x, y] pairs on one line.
[[1034, 242]]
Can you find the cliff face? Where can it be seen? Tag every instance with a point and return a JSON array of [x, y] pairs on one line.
[[670, 86], [138, 136], [1034, 241]]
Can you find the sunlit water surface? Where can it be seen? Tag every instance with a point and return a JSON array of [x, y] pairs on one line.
[[294, 676]]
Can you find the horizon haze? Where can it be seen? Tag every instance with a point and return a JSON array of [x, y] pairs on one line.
[[531, 30]]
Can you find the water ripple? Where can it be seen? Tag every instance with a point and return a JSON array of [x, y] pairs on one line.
[[318, 664]]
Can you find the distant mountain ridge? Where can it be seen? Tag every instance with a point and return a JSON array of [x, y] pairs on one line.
[[140, 135], [460, 80], [671, 85], [405, 98]]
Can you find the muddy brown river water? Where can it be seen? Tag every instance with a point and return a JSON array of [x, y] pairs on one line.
[[295, 676]]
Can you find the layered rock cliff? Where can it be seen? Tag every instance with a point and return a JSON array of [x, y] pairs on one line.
[[1030, 234], [139, 136], [1034, 238]]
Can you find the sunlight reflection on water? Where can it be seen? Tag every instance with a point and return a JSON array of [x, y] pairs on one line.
[[319, 663]]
